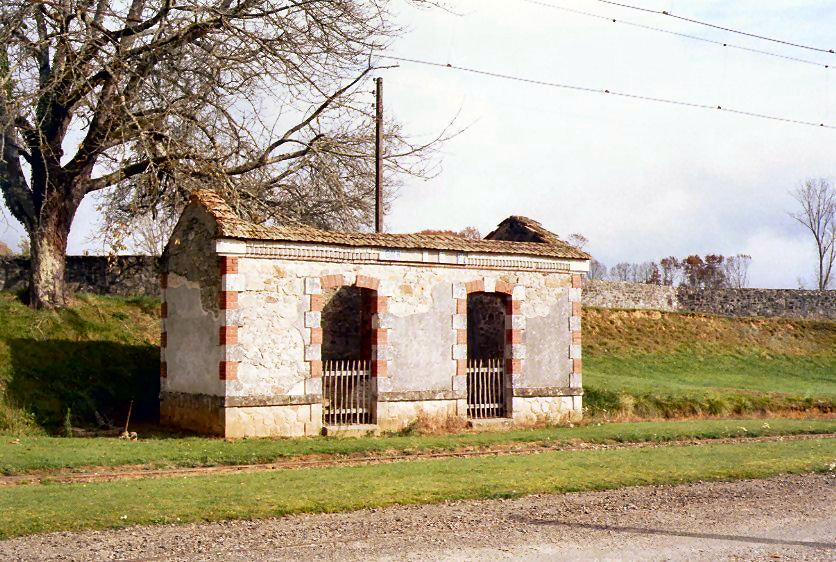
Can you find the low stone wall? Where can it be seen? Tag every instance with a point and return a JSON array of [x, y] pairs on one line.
[[617, 294], [119, 275], [784, 303]]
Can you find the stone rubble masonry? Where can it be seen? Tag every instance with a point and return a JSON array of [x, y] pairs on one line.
[[782, 303], [104, 275], [267, 372]]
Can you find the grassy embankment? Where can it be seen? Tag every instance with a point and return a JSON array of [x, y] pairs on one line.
[[649, 364], [93, 358], [51, 507], [89, 360]]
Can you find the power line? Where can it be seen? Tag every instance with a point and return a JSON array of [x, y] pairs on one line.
[[676, 33], [714, 26], [627, 95]]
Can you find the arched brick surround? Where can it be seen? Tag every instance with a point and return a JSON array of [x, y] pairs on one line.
[[313, 320], [514, 323]]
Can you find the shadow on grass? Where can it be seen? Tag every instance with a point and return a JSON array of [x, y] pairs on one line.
[[95, 380]]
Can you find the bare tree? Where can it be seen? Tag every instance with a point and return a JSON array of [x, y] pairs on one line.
[[817, 199], [262, 100], [621, 271], [597, 270], [578, 240], [736, 270]]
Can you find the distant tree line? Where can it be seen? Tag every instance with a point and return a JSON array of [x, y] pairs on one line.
[[712, 271]]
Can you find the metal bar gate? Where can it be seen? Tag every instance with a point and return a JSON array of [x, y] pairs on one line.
[[346, 392], [485, 388]]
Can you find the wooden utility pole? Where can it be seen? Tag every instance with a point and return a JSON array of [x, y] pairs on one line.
[[378, 159]]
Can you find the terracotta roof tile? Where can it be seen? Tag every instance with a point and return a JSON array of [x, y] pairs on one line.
[[232, 226]]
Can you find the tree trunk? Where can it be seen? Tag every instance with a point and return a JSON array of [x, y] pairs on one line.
[[47, 287], [48, 248]]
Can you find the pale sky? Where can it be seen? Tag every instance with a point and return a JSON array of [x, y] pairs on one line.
[[641, 180]]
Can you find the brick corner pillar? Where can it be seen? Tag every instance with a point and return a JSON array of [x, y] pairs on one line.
[[231, 286], [575, 331]]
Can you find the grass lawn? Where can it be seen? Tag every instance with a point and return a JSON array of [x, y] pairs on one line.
[[647, 363], [35, 453], [54, 507]]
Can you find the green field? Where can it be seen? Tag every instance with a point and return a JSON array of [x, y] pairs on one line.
[[26, 454], [54, 507], [651, 364]]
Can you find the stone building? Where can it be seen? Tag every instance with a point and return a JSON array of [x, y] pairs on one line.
[[289, 330]]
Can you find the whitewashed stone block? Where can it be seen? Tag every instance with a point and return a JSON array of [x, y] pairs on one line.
[[575, 381], [574, 295], [313, 352], [514, 322], [490, 284], [574, 351], [313, 286], [518, 293], [459, 321], [313, 319], [460, 351], [459, 291], [516, 351], [233, 282], [574, 323]]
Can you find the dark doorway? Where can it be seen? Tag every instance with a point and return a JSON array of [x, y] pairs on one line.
[[486, 381], [347, 392]]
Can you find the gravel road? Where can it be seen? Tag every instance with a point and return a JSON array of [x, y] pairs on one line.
[[781, 518]]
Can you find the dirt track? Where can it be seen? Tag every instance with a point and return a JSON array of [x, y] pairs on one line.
[[99, 474], [781, 518]]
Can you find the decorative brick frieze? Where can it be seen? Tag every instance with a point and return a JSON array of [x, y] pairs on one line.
[[576, 309], [461, 306], [576, 365], [577, 280], [316, 303], [461, 336], [576, 338]]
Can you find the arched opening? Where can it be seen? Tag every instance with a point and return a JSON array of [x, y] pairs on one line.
[[346, 356], [486, 380]]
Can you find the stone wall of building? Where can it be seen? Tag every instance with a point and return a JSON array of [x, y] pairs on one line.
[[785, 303], [266, 364], [119, 275]]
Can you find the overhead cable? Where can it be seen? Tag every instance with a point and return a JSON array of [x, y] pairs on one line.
[[628, 95], [720, 27], [676, 33]]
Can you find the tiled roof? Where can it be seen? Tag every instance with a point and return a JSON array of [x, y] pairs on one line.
[[232, 226]]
